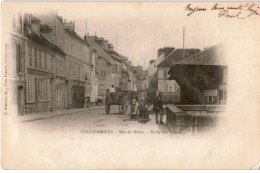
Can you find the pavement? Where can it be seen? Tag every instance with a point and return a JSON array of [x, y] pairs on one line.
[[48, 115], [78, 119]]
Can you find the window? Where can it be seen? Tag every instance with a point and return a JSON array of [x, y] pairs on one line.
[[55, 65], [165, 75], [225, 97], [52, 63], [40, 59], [79, 73], [165, 89], [30, 56], [113, 68], [30, 89], [35, 57], [45, 61], [61, 64], [224, 76], [43, 89], [210, 98], [18, 58]]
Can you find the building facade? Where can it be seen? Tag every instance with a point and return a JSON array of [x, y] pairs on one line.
[[13, 60], [169, 88], [77, 62], [202, 77], [44, 69], [103, 64]]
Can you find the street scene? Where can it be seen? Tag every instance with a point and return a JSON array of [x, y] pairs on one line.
[[130, 85], [84, 80]]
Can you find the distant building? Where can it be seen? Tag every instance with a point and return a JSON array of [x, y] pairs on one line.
[[116, 69], [169, 88], [103, 65], [128, 75], [153, 71], [141, 82], [202, 77], [162, 54]]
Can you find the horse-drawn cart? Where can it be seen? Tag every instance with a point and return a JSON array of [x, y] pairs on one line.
[[114, 99]]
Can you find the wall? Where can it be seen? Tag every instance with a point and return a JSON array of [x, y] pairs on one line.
[[165, 85], [13, 44], [39, 62], [104, 78]]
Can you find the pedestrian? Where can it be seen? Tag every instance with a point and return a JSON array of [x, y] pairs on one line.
[[143, 111], [112, 90], [158, 108], [88, 102], [127, 103], [108, 100]]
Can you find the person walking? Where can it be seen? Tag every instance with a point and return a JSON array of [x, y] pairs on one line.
[[143, 111], [158, 108]]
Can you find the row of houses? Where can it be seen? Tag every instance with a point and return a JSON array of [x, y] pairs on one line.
[[190, 76], [51, 67]]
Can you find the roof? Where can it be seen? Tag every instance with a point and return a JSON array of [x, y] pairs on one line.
[[116, 57], [102, 53], [44, 28], [43, 40], [73, 33], [212, 56], [176, 56]]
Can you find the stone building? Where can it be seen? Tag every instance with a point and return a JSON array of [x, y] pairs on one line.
[[78, 63], [44, 69], [103, 65], [78, 84]]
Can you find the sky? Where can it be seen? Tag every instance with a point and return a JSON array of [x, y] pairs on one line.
[[138, 29]]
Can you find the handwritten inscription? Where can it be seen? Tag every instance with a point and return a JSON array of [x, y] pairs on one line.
[[241, 11]]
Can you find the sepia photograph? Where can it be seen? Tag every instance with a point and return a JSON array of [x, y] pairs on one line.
[[130, 85]]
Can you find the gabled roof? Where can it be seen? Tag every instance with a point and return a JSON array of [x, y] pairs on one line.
[[212, 56], [176, 56]]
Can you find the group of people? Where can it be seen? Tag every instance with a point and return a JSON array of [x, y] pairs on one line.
[[133, 106], [136, 107], [141, 106]]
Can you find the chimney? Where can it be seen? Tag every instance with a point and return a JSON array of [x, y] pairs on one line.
[[166, 51], [73, 25], [110, 47], [105, 44]]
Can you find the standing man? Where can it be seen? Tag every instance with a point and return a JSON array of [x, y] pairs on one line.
[[158, 108], [108, 100], [112, 91]]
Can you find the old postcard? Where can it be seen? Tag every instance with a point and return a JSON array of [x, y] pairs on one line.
[[130, 85]]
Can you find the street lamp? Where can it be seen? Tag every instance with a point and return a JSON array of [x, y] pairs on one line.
[[170, 94]]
